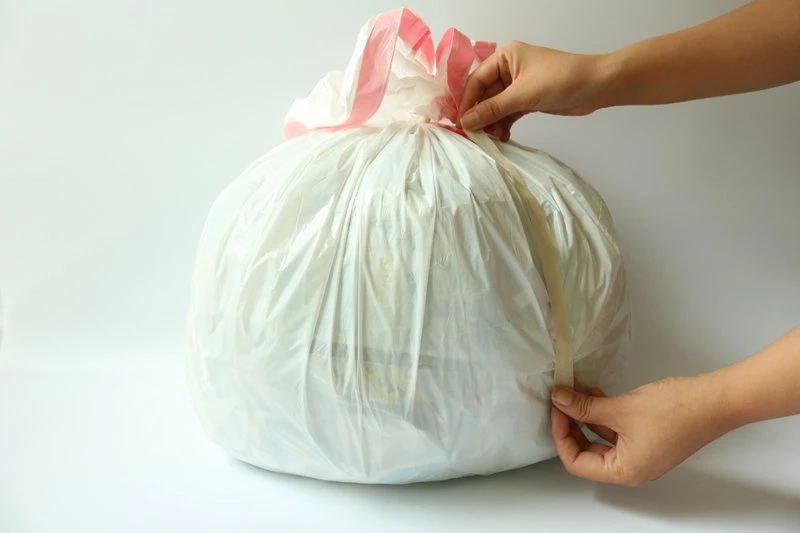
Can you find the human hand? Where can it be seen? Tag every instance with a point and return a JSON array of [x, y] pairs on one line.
[[651, 430], [520, 79]]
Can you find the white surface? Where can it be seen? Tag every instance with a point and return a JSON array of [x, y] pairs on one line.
[[121, 121], [363, 312], [381, 304]]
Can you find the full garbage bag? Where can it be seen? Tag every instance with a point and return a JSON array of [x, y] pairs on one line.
[[384, 298]]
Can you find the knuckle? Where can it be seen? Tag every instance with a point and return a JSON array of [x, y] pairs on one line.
[[584, 406], [569, 466], [514, 45], [492, 109]]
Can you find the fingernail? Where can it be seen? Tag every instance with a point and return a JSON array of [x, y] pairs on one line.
[[563, 396], [469, 120]]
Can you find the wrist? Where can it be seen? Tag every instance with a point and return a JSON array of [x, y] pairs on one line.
[[609, 80], [731, 412]]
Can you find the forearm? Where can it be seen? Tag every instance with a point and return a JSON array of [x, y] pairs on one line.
[[754, 47], [763, 386]]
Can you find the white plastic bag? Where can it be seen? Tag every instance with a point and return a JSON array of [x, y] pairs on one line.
[[371, 301]]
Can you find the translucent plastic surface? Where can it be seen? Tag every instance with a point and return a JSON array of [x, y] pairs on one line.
[[368, 302]]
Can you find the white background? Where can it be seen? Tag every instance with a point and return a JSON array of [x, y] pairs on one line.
[[121, 120]]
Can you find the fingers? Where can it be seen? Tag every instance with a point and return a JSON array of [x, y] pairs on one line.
[[602, 431], [561, 426], [599, 448], [502, 130], [489, 96], [581, 457], [583, 407], [587, 461], [497, 129], [576, 433], [486, 75], [492, 110]]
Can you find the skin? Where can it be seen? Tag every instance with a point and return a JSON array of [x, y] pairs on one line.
[[752, 48], [658, 426]]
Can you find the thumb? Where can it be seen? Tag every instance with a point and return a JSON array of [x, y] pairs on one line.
[[492, 110], [582, 407]]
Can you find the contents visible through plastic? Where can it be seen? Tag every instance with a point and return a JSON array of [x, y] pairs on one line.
[[384, 299]]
